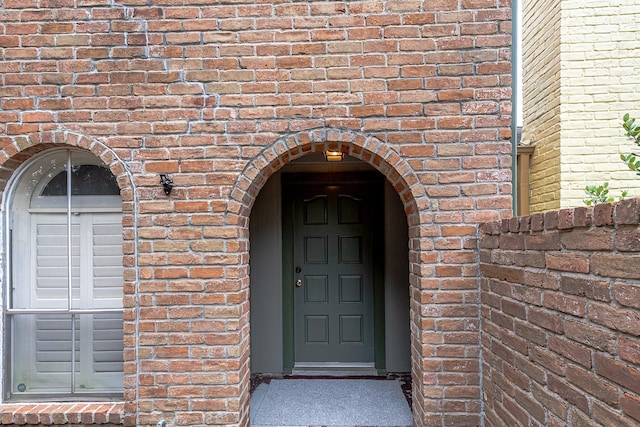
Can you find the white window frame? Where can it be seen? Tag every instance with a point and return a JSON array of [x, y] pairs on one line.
[[80, 305]]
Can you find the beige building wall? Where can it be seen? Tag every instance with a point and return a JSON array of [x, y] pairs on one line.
[[581, 75], [600, 83]]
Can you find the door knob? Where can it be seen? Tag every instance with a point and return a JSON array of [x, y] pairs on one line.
[[299, 282]]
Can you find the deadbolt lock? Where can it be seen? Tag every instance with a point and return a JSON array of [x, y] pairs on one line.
[[299, 282]]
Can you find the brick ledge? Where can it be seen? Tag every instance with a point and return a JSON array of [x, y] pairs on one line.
[[70, 413]]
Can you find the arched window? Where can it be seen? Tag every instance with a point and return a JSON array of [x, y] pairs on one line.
[[63, 297]]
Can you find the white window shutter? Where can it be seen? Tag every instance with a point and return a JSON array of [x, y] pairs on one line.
[[49, 289], [104, 348], [107, 270]]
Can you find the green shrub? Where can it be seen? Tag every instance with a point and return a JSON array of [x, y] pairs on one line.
[[632, 129]]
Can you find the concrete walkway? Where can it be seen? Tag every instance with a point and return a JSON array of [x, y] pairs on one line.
[[329, 402]]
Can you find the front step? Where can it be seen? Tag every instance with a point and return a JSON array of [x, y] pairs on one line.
[[334, 369]]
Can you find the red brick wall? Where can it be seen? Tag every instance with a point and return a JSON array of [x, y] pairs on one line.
[[561, 317], [220, 94]]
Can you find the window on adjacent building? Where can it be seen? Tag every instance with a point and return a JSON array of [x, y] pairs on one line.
[[63, 296]]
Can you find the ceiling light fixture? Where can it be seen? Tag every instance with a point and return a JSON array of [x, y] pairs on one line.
[[333, 156]]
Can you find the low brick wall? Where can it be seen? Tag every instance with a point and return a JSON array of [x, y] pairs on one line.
[[107, 414], [561, 318]]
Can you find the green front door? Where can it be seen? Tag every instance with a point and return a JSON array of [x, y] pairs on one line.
[[333, 273]]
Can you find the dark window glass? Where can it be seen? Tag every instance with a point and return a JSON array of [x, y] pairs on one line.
[[86, 180]]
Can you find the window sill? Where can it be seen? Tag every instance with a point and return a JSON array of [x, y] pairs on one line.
[[90, 413]]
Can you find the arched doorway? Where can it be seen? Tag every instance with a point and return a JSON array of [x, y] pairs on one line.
[[329, 273], [260, 178]]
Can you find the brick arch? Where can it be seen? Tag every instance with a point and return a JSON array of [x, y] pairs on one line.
[[16, 150], [416, 205], [367, 148]]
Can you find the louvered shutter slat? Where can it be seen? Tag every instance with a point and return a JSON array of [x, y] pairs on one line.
[[107, 267]]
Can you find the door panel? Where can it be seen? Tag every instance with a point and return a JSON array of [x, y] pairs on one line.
[[350, 249], [351, 289], [315, 210], [349, 210], [316, 290], [315, 249], [316, 329], [352, 329], [333, 272]]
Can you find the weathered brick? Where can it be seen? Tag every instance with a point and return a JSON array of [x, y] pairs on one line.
[[570, 350], [565, 219], [565, 304], [605, 416], [545, 241], [558, 406], [591, 336], [603, 214], [568, 393], [516, 411], [508, 274], [588, 240], [562, 261], [517, 377], [631, 406], [531, 333], [512, 242], [529, 259], [539, 279], [585, 286], [628, 212], [593, 385], [548, 361], [615, 266], [617, 319], [618, 372], [630, 349], [514, 308], [551, 220], [582, 216], [533, 407], [526, 294], [628, 239], [546, 319]]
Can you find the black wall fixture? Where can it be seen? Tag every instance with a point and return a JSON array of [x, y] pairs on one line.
[[166, 182]]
